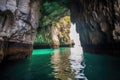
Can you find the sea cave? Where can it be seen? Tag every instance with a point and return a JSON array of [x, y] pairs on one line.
[[59, 39]]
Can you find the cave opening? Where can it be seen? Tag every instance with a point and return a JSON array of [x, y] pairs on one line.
[[96, 23], [54, 25]]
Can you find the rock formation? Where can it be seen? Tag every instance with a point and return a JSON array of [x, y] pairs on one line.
[[18, 24], [54, 26], [60, 32], [97, 21], [54, 35]]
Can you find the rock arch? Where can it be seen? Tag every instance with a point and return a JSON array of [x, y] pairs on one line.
[[98, 22]]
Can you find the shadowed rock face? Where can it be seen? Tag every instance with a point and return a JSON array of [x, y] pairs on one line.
[[97, 21], [18, 24]]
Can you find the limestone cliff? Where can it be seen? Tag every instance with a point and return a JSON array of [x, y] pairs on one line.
[[54, 35], [54, 25], [18, 24], [60, 32], [97, 21]]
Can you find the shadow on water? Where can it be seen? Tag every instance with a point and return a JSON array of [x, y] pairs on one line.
[[102, 67]]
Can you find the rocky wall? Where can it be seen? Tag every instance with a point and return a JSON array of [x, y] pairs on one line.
[[97, 21], [18, 24]]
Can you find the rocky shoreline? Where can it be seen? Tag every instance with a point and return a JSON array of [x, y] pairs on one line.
[[15, 50], [44, 46]]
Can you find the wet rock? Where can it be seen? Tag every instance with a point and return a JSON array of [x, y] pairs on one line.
[[1, 55], [18, 50]]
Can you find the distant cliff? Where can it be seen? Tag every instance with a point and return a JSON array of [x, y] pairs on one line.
[[55, 35], [54, 26]]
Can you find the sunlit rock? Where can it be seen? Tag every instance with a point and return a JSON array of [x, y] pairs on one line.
[[54, 35]]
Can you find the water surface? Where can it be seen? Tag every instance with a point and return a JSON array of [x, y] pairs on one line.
[[62, 64]]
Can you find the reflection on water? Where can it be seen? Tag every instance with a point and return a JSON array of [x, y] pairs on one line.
[[77, 63], [76, 58], [68, 64], [62, 64], [46, 64]]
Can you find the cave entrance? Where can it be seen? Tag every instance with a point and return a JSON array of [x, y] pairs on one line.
[[94, 26], [54, 25]]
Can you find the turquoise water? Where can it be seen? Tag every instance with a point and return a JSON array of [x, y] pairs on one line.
[[62, 64]]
